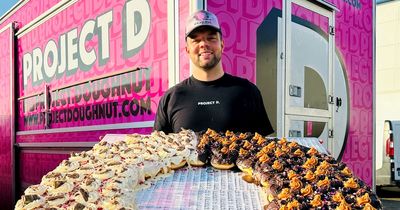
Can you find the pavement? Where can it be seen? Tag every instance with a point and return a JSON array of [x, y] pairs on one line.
[[390, 197]]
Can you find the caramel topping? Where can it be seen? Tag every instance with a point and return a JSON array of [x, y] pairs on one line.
[[234, 138], [312, 151], [211, 132], [298, 153], [310, 176], [260, 141], [224, 150], [259, 138], [295, 184], [264, 158], [265, 150], [232, 146], [282, 141], [259, 154], [271, 145], [351, 183], [293, 204], [324, 165], [247, 145], [291, 174], [323, 183], [368, 207], [293, 144], [363, 199], [243, 152], [307, 190], [278, 152], [338, 197], [320, 171], [343, 206], [226, 141], [229, 133], [316, 202], [346, 171], [285, 194], [310, 163], [277, 166], [243, 135], [285, 148]]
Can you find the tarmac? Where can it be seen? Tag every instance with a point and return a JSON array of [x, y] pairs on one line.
[[390, 197]]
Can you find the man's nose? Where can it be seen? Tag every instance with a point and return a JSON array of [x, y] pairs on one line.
[[203, 43]]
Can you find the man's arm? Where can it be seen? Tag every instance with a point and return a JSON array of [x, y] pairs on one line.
[[162, 123], [262, 123]]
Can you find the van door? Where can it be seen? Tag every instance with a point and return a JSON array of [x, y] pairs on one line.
[[308, 109]]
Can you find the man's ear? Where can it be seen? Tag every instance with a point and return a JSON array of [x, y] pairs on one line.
[[222, 45], [186, 49]]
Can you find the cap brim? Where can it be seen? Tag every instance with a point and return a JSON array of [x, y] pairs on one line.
[[198, 28]]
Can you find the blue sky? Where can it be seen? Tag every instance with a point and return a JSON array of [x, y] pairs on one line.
[[6, 5]]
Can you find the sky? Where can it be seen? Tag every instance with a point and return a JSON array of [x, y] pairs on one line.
[[6, 5]]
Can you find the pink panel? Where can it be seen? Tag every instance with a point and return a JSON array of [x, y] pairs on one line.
[[34, 165], [184, 71], [85, 136], [6, 130], [130, 97], [239, 19], [354, 42]]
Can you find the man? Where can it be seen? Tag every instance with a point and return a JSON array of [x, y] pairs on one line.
[[210, 98]]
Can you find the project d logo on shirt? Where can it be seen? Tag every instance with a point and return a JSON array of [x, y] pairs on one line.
[[207, 103]]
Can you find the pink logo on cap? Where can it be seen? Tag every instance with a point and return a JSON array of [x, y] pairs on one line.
[[201, 18]]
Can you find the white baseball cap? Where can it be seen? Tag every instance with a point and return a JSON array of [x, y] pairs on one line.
[[201, 18]]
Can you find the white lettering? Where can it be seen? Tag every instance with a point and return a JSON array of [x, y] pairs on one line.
[[37, 64], [103, 24], [72, 49], [137, 20], [205, 103], [87, 57], [27, 67], [50, 69], [63, 57]]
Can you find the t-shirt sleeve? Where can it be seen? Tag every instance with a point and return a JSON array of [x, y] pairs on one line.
[[162, 123], [262, 124]]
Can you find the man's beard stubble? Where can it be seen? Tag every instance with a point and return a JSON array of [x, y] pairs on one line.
[[210, 65]]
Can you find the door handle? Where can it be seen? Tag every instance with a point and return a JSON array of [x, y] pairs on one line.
[[338, 103]]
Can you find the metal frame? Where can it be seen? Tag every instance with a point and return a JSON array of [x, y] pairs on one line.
[[325, 11], [374, 95], [11, 27], [173, 43]]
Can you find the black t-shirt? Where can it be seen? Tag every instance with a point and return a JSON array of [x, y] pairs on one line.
[[228, 103]]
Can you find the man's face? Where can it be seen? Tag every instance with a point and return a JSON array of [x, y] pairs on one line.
[[205, 48]]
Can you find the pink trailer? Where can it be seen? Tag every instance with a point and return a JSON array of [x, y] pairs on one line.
[[75, 70]]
